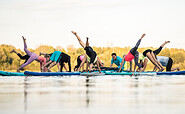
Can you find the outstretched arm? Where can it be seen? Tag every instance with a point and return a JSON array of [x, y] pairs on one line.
[[97, 62], [100, 62], [123, 60]]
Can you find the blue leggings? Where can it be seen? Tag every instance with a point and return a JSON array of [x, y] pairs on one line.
[[135, 53]]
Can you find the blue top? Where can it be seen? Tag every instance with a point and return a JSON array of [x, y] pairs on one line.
[[117, 61]]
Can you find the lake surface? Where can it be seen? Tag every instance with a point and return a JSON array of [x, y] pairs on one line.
[[92, 95]]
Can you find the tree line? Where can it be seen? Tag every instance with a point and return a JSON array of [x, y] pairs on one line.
[[10, 61]]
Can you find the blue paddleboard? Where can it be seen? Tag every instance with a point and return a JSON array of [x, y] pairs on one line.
[[6, 73], [50, 73]]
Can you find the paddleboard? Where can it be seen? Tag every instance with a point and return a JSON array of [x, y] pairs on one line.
[[92, 74], [171, 73], [51, 73], [130, 73], [6, 73]]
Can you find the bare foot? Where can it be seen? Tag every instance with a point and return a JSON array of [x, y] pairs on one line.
[[74, 32], [141, 69], [167, 42], [42, 69], [24, 39], [178, 68], [12, 51], [18, 70], [143, 36]]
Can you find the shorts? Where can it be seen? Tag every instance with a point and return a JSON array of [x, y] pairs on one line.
[[146, 51]]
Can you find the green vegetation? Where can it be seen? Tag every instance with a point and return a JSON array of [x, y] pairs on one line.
[[10, 61]]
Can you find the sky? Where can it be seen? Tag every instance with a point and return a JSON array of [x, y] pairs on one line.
[[105, 22]]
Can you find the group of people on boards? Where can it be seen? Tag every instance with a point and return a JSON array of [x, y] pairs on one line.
[[90, 58]]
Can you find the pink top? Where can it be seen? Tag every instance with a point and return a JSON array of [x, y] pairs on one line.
[[129, 57], [81, 57], [42, 60]]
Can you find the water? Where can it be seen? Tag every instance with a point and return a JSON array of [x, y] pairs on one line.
[[93, 95]]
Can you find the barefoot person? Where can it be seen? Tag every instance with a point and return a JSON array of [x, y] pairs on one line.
[[33, 56], [25, 57], [151, 56], [86, 60], [117, 60], [58, 58], [166, 62], [143, 59], [79, 61], [65, 58], [133, 54], [90, 53]]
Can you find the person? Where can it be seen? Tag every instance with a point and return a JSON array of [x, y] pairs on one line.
[[144, 60], [56, 58], [79, 61], [47, 56], [65, 58], [133, 54], [90, 54], [151, 56], [33, 56], [166, 62], [25, 57], [86, 60], [117, 60]]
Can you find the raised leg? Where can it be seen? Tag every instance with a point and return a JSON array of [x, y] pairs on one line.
[[25, 47], [79, 39]]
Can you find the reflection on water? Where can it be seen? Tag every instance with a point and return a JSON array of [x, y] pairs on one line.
[[93, 95]]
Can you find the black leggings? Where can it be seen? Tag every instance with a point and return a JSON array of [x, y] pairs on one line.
[[157, 51], [135, 53], [78, 62], [91, 53], [146, 51], [169, 65], [62, 61]]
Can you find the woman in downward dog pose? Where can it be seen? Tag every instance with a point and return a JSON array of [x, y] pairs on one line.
[[33, 56], [133, 54], [91, 55], [143, 56], [151, 55], [79, 61]]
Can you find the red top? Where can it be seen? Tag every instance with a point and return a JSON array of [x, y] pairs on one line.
[[129, 57]]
